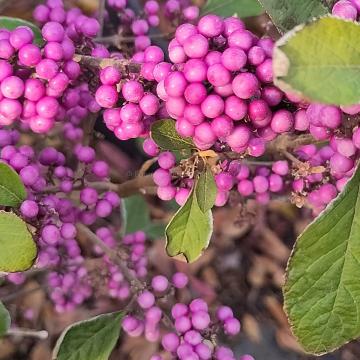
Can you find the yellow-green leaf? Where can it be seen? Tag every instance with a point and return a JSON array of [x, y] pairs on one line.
[[17, 247], [320, 61]]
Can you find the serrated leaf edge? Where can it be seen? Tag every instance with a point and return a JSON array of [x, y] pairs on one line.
[[285, 287]]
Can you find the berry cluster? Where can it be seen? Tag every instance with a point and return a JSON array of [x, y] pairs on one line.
[[179, 11], [250, 181], [54, 216], [164, 180], [78, 104], [69, 282], [76, 28], [34, 80], [131, 102], [138, 25], [219, 90], [118, 286], [260, 183], [324, 171], [129, 113], [313, 179], [192, 324], [220, 87], [135, 26]]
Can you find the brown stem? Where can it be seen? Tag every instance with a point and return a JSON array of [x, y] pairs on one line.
[[151, 36], [21, 292], [147, 165], [258, 163], [140, 184], [133, 186], [118, 39], [281, 144], [110, 40], [291, 157], [124, 65], [287, 141], [146, 185], [89, 129]]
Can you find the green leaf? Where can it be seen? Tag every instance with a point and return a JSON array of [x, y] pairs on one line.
[[189, 231], [155, 231], [135, 213], [322, 289], [163, 132], [136, 217], [329, 73], [286, 14], [11, 23], [171, 206], [5, 319], [92, 339], [12, 190], [17, 247], [206, 190], [225, 8], [179, 154]]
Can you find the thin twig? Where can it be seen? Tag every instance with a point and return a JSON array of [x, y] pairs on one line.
[[110, 40], [88, 129], [140, 184], [101, 15], [118, 39], [151, 36], [257, 163], [145, 184], [21, 292], [20, 332], [289, 141], [124, 65], [291, 157], [147, 165], [116, 256], [133, 186]]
